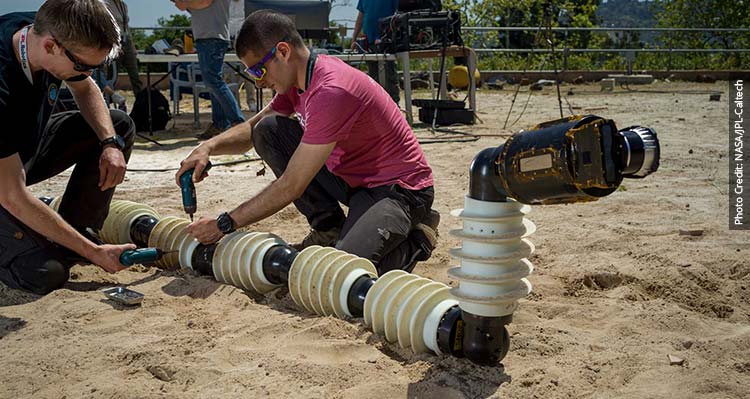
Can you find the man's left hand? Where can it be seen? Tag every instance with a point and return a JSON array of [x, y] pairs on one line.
[[112, 168], [205, 230]]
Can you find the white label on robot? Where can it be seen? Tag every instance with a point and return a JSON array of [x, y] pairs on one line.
[[537, 162]]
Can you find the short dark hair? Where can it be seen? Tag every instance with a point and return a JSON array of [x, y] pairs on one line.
[[79, 24], [263, 29]]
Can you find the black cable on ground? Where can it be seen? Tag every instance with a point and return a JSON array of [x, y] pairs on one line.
[[141, 135], [215, 164]]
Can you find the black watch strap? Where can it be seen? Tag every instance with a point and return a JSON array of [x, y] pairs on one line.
[[226, 223], [116, 140]]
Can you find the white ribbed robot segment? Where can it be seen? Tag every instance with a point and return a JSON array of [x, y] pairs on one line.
[[299, 285], [371, 298], [55, 204], [169, 234], [309, 288], [186, 253], [221, 255], [294, 271], [320, 279], [419, 300], [108, 233], [402, 306], [121, 216], [493, 270], [432, 322], [238, 260], [320, 284]]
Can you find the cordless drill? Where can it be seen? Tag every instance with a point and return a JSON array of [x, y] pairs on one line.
[[189, 201], [131, 257]]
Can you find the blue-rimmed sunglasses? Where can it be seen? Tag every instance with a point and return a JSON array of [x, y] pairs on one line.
[[258, 71]]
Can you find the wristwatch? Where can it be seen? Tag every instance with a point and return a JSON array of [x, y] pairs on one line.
[[118, 141], [226, 223]]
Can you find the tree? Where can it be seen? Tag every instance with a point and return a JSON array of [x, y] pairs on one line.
[[536, 14], [707, 14], [142, 41]]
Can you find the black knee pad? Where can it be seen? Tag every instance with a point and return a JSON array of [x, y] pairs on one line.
[[45, 277], [38, 272], [28, 260]]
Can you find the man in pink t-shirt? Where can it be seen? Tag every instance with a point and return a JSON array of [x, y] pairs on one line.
[[331, 136]]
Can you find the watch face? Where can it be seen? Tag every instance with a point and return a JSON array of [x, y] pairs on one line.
[[117, 140], [225, 223]]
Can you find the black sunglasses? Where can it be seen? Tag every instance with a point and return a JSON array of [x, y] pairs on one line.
[[79, 66]]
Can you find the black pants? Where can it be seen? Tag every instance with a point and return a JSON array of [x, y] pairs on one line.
[[381, 220], [27, 259]]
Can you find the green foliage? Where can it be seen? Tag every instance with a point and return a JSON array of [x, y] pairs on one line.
[[142, 40], [706, 14], [621, 13], [627, 13]]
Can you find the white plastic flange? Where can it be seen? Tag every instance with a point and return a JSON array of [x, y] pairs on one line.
[[432, 322], [238, 260], [55, 204], [493, 270], [407, 308], [320, 279], [122, 214], [168, 235]]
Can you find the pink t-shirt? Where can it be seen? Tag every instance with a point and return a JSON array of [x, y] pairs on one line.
[[374, 144]]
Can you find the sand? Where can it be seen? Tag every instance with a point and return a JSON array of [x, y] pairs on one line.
[[617, 289]]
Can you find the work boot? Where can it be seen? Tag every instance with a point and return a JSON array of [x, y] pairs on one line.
[[210, 131], [316, 237], [429, 226]]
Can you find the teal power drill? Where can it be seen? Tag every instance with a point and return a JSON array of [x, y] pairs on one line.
[[189, 201], [132, 257]]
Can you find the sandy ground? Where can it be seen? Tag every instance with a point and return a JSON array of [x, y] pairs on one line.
[[616, 288]]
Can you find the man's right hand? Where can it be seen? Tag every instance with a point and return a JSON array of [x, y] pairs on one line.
[[197, 159], [108, 256]]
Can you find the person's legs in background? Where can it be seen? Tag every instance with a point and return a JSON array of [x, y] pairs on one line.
[[129, 60], [211, 59]]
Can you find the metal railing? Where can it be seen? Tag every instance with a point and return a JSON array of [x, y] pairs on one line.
[[629, 52], [563, 48]]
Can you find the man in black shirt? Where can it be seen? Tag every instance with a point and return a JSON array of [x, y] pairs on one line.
[[64, 41]]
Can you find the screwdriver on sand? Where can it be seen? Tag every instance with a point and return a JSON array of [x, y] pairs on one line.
[[189, 201], [132, 257]]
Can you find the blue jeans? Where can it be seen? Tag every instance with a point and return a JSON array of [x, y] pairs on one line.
[[225, 110]]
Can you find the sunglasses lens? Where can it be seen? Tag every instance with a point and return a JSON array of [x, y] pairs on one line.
[[256, 73]]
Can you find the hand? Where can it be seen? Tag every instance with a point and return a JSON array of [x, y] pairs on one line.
[[205, 230], [112, 167], [108, 256], [198, 159], [353, 46]]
